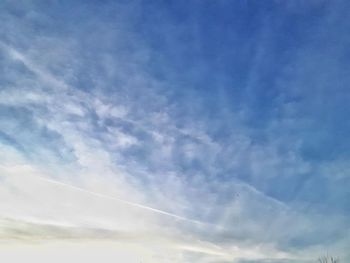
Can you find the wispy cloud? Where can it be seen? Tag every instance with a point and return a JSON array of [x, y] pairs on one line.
[[105, 140]]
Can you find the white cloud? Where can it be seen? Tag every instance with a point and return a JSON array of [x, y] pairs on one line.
[[133, 149]]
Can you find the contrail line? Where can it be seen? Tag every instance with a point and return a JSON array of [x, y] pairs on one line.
[[119, 200]]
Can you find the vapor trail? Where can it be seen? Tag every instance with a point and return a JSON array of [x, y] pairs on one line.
[[119, 200]]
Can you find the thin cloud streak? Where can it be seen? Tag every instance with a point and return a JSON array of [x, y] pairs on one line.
[[121, 201]]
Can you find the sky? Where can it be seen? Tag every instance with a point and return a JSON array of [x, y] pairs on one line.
[[174, 131]]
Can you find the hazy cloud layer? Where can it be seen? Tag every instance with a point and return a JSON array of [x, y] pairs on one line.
[[184, 131]]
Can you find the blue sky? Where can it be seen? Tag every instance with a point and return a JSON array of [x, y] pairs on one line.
[[175, 131]]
